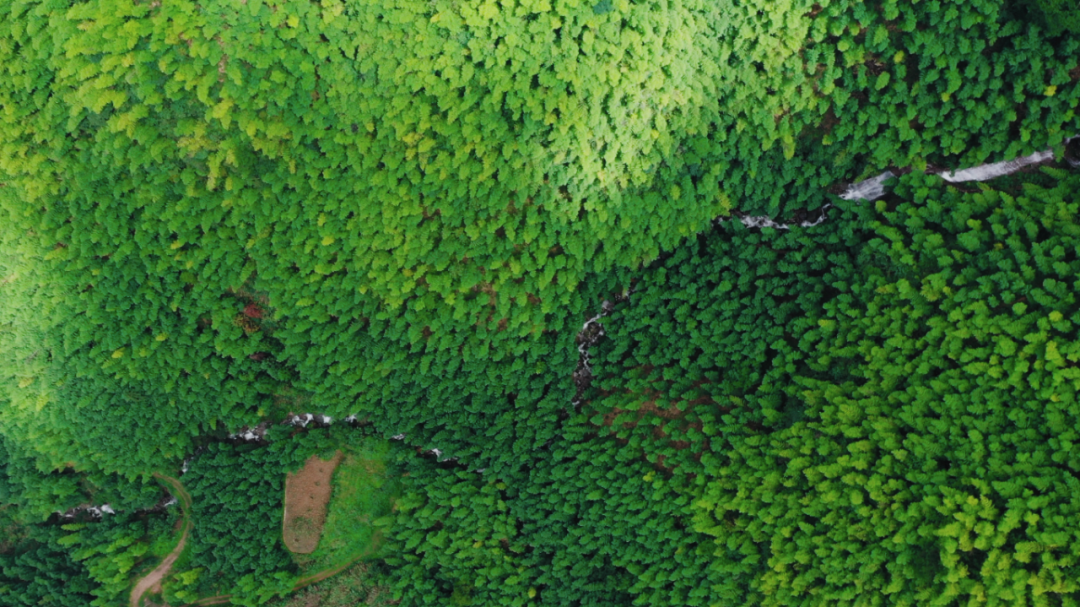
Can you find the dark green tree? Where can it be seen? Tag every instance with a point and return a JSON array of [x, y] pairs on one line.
[[39, 572]]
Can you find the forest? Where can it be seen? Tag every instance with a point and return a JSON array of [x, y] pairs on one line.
[[673, 303]]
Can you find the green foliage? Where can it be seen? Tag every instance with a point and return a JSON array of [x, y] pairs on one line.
[[463, 162], [457, 542], [216, 213], [39, 572], [217, 209], [432, 181], [702, 348], [237, 495], [1057, 16], [874, 411], [38, 491], [74, 377], [22, 483], [113, 549], [364, 492], [360, 584], [899, 435], [589, 523], [12, 530]]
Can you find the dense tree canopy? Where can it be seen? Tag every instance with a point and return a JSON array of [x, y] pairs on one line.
[[216, 214], [39, 572]]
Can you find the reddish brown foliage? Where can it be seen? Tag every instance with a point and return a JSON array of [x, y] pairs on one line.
[[252, 310]]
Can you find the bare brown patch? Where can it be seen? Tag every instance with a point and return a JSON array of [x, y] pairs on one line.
[[307, 493]]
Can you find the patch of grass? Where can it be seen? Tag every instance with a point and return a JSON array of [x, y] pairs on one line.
[[364, 491], [353, 587], [298, 529]]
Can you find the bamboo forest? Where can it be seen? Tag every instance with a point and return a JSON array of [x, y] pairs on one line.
[[503, 303]]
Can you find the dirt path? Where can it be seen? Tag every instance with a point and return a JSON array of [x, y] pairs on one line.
[[153, 579]]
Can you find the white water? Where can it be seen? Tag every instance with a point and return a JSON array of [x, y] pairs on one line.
[[246, 435], [998, 169], [94, 511], [873, 188], [868, 189]]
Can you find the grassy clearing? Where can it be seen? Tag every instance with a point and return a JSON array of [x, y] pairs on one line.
[[363, 492]]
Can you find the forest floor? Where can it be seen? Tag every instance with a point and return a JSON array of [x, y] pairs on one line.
[[152, 580], [307, 493]]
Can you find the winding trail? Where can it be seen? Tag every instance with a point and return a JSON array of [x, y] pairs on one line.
[[154, 578]]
